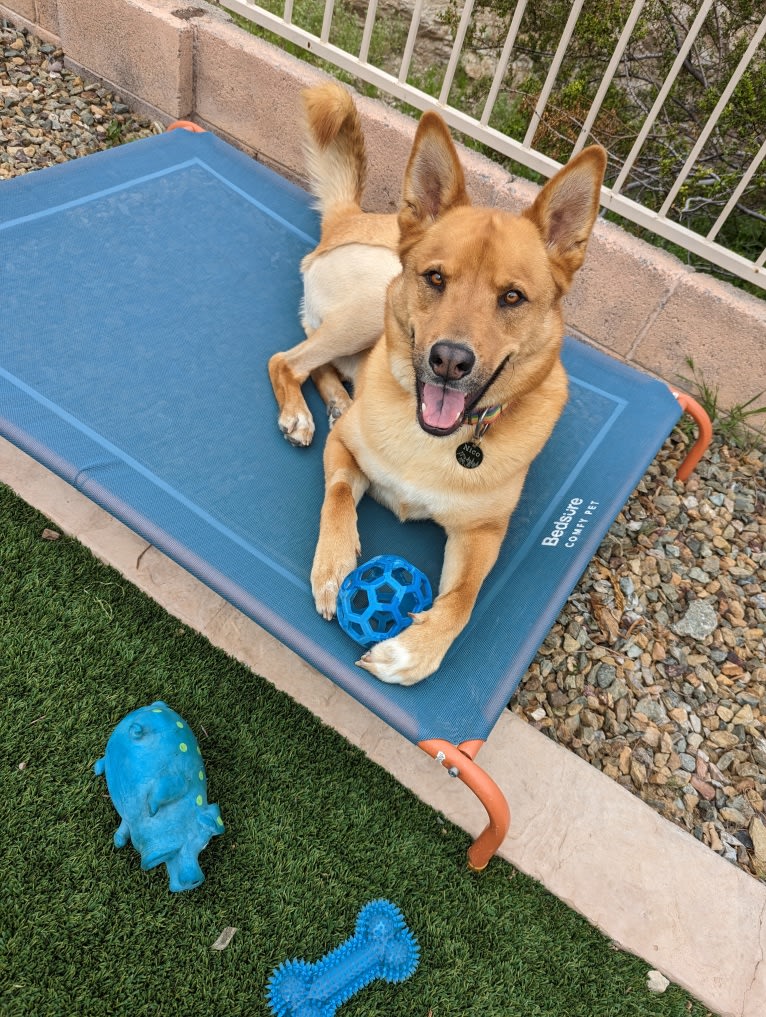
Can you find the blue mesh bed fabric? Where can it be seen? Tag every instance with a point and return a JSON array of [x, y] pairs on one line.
[[142, 292]]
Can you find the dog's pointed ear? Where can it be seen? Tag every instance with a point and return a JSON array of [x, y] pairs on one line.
[[566, 208], [433, 181]]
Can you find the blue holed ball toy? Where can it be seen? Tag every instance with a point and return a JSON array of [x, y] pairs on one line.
[[376, 599]]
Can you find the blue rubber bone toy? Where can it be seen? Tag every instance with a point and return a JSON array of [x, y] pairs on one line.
[[382, 947], [156, 780]]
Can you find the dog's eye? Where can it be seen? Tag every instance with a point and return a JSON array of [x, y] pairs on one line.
[[511, 298], [435, 279]]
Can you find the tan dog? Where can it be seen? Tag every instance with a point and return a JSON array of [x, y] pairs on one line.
[[463, 388]]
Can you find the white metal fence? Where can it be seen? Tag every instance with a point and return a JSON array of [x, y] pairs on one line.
[[743, 195]]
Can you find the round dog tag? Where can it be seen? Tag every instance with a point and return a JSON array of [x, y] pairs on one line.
[[469, 455]]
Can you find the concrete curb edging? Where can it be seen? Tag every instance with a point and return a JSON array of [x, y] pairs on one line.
[[184, 59]]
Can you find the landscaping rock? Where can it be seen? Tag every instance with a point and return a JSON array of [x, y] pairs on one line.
[[699, 621]]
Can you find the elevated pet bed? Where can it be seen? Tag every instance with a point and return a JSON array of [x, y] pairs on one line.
[[143, 291]]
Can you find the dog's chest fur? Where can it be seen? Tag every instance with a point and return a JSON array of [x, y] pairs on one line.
[[417, 476]]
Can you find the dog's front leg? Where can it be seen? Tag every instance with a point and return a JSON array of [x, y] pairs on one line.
[[338, 545], [419, 650]]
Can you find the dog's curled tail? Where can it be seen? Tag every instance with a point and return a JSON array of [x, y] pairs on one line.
[[335, 153]]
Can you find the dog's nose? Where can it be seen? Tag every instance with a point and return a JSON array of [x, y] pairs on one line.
[[451, 361]]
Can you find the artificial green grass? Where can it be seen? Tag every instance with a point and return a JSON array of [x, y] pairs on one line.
[[314, 830]]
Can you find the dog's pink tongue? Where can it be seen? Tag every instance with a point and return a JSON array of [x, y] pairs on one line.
[[442, 407]]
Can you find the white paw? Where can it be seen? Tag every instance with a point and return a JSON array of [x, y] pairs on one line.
[[298, 428], [326, 596], [392, 662], [327, 574]]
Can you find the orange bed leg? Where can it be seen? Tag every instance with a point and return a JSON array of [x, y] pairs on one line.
[[704, 433], [459, 762], [187, 125]]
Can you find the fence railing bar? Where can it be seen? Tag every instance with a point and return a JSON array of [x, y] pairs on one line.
[[558, 57], [369, 25], [609, 73], [762, 259], [412, 35], [462, 28], [684, 237], [737, 192], [502, 65], [714, 117], [505, 145], [663, 94], [287, 11], [327, 20]]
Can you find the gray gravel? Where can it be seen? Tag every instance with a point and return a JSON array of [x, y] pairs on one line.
[[49, 115], [656, 670]]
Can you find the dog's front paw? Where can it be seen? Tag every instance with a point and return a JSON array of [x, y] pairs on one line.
[[405, 659], [326, 576], [325, 590]]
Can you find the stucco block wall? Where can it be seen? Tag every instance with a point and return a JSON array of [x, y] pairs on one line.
[[142, 48], [24, 8], [724, 334], [183, 59], [241, 85], [47, 16], [622, 282]]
